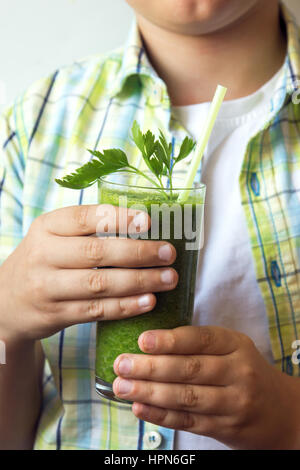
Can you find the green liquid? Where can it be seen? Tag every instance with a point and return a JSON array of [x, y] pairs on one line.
[[173, 308]]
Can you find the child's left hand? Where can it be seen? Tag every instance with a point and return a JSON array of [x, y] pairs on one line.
[[211, 381]]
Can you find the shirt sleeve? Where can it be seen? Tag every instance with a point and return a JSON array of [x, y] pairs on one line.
[[11, 186]]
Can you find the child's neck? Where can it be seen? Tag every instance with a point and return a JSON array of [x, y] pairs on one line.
[[242, 57]]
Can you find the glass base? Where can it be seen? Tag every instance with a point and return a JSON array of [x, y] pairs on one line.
[[105, 390]]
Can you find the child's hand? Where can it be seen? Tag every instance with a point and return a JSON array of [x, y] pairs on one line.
[[211, 381], [48, 282]]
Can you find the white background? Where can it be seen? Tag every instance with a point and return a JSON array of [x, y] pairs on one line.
[[37, 36]]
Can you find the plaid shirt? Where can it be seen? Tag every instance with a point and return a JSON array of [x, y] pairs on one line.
[[92, 104]]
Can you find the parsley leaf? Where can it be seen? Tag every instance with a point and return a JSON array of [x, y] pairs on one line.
[[156, 154], [137, 136], [111, 159], [164, 149], [107, 162], [186, 148]]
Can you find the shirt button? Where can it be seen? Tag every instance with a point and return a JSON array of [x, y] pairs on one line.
[[152, 439]]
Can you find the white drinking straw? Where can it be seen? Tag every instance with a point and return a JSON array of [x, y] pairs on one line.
[[206, 132]]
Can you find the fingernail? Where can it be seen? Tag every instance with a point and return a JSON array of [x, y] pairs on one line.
[[149, 341], [144, 301], [125, 366], [142, 410], [167, 276], [165, 253], [124, 386], [140, 221]]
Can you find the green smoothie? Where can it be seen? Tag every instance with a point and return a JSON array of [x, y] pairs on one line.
[[173, 308], [149, 180]]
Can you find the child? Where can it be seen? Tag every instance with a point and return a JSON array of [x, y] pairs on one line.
[[232, 384]]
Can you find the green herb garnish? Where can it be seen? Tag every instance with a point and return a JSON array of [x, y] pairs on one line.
[[157, 154]]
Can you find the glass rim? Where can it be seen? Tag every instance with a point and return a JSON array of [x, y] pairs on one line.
[[105, 179]]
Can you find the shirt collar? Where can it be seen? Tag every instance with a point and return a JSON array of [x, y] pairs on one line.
[[292, 62], [289, 82], [136, 63]]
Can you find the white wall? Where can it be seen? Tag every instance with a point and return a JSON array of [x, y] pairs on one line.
[[36, 36]]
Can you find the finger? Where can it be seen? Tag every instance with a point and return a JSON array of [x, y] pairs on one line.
[[72, 313], [90, 252], [205, 425], [190, 340], [197, 370], [197, 398], [72, 284], [217, 427], [97, 218]]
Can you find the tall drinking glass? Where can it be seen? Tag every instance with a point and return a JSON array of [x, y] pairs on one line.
[[179, 224]]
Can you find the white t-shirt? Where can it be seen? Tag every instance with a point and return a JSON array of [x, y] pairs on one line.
[[227, 293]]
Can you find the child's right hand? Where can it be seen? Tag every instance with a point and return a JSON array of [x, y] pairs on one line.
[[48, 283]]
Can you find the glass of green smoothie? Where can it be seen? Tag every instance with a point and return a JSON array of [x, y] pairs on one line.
[[148, 182], [178, 223], [176, 211]]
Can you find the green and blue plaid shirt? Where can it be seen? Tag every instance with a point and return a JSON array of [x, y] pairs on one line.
[[92, 104]]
